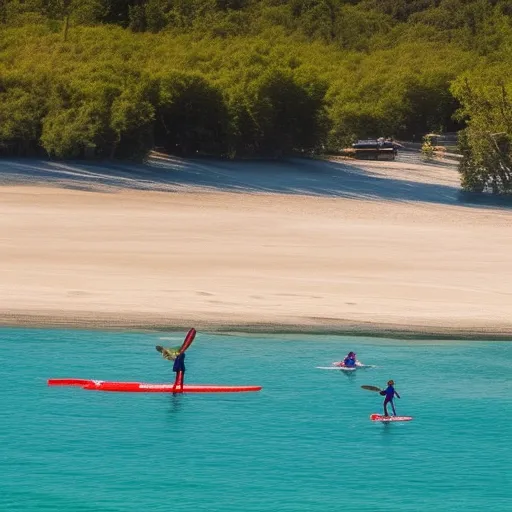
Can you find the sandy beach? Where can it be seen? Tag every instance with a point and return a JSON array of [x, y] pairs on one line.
[[385, 248]]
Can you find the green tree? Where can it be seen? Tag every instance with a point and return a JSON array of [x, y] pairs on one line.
[[191, 115], [289, 115], [486, 144], [132, 120], [21, 112]]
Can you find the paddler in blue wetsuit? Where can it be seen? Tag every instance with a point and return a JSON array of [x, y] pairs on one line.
[[174, 354], [350, 360], [389, 393]]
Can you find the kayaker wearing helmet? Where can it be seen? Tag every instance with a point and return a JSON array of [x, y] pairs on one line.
[[389, 393]]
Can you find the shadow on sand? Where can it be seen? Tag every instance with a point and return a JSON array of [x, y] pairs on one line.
[[293, 176]]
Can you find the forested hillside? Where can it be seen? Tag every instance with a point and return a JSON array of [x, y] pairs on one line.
[[115, 78]]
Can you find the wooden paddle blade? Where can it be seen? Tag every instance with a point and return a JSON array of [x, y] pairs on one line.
[[371, 388]]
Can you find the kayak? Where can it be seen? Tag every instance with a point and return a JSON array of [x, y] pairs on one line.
[[381, 417], [141, 387]]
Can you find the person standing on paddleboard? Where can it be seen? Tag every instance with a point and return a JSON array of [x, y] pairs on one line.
[[389, 393], [178, 356], [174, 354]]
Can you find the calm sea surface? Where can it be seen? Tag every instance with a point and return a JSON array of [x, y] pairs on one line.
[[304, 443]]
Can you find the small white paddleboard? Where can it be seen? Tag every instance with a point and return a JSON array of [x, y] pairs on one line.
[[358, 365], [342, 368]]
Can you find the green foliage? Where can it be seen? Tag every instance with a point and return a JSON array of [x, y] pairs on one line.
[[132, 116], [112, 78], [356, 29], [191, 116], [77, 123], [486, 143], [400, 9], [288, 115], [427, 148], [22, 106], [404, 92]]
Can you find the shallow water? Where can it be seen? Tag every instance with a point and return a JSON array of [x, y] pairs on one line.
[[304, 443]]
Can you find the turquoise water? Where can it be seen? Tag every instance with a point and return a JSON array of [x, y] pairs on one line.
[[304, 443]]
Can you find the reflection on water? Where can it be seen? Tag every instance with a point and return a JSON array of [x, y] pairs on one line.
[[176, 403]]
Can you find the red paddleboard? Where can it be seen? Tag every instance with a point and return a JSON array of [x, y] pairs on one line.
[[380, 417], [141, 387], [68, 382]]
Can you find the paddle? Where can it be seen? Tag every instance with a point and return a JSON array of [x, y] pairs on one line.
[[372, 388]]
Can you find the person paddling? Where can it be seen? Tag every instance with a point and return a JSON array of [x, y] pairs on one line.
[[389, 393], [350, 360], [174, 354], [178, 356]]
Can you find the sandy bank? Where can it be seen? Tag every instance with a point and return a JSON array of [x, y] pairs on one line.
[[373, 248]]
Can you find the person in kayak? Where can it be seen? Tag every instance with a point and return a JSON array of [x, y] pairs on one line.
[[389, 393], [174, 354], [350, 360]]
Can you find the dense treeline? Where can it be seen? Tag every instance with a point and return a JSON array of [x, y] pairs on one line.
[[115, 78]]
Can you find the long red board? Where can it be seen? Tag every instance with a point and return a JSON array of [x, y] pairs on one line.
[[141, 387]]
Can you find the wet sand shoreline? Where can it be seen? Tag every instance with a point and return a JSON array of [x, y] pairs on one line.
[[61, 319]]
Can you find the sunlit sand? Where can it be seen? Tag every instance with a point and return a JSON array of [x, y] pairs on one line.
[[305, 246]]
